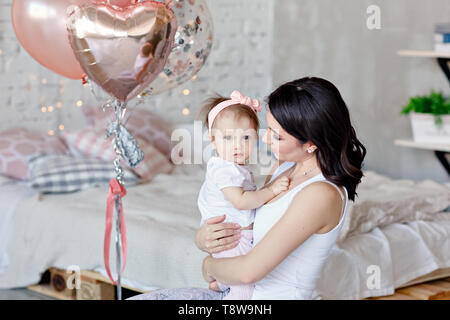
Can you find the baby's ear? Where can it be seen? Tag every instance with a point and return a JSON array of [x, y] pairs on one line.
[[213, 143]]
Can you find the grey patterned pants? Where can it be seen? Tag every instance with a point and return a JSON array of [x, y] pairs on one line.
[[181, 294]]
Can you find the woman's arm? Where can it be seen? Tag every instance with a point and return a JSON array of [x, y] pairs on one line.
[[245, 200], [313, 208]]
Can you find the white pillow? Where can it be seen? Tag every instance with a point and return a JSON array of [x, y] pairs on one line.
[[5, 180]]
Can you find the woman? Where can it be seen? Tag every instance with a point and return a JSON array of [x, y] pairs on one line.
[[310, 133]]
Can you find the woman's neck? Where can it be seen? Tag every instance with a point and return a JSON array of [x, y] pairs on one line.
[[306, 168]]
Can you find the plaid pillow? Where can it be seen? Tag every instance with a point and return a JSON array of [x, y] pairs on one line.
[[154, 162], [89, 143], [54, 173]]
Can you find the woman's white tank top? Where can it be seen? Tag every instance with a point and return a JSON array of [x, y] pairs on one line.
[[296, 276]]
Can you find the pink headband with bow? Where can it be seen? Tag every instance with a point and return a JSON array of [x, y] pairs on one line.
[[236, 98]]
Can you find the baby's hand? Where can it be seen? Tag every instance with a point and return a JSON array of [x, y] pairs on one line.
[[280, 185]]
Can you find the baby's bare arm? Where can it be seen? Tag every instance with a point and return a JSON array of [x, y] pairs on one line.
[[245, 200]]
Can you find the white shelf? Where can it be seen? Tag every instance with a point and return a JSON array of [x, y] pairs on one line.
[[423, 53], [422, 145]]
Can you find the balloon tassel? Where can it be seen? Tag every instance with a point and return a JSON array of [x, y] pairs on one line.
[[116, 192]]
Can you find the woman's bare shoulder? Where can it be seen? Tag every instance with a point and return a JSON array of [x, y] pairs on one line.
[[321, 190], [322, 200]]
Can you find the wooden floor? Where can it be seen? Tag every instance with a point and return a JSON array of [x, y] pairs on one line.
[[22, 294], [432, 290], [95, 286]]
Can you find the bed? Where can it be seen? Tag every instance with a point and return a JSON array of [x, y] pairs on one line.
[[62, 230]]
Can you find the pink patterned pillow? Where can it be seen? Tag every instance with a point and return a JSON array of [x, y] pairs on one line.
[[140, 123], [18, 143], [89, 143], [92, 144], [154, 162]]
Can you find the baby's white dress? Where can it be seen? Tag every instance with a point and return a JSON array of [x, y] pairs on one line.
[[220, 174]]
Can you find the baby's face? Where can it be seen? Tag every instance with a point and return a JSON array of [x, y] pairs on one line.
[[234, 139]]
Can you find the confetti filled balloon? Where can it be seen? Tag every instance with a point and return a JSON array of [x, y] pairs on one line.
[[122, 49], [192, 45]]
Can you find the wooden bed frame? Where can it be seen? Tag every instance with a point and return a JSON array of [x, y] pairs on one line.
[[432, 286], [94, 286]]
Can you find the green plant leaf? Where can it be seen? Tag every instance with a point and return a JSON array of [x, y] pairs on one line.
[[435, 103]]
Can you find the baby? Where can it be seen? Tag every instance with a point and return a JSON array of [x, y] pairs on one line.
[[143, 60], [229, 187]]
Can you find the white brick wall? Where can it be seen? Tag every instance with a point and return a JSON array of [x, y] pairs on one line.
[[240, 59]]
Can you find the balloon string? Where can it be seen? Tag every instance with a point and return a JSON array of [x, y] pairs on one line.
[[116, 192], [120, 109]]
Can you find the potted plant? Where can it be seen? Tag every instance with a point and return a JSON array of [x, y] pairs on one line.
[[430, 118]]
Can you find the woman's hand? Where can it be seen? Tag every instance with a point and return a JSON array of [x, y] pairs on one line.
[[214, 236]]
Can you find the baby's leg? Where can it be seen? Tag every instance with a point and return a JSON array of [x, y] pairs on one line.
[[244, 246], [240, 292]]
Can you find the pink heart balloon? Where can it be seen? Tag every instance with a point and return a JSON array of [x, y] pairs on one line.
[[119, 3], [122, 49]]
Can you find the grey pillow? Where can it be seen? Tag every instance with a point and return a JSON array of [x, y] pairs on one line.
[[56, 173]]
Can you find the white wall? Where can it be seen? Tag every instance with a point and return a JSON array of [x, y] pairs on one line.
[[240, 59], [260, 44], [330, 39]]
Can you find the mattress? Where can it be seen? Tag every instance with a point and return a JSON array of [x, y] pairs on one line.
[[161, 220]]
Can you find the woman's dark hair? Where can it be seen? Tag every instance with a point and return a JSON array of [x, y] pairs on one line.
[[312, 109]]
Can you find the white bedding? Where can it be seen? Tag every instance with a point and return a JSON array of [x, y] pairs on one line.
[[401, 251], [161, 220], [12, 192], [64, 230]]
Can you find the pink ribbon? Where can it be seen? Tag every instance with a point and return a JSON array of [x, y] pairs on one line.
[[238, 97], [235, 98], [115, 188]]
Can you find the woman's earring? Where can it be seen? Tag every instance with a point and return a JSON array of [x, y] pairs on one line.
[[310, 150]]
